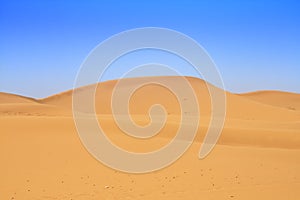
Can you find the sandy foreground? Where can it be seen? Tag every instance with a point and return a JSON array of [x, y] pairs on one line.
[[256, 157]]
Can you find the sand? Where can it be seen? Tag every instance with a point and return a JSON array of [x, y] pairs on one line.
[[256, 157]]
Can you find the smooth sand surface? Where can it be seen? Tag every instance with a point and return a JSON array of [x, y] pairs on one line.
[[256, 157]]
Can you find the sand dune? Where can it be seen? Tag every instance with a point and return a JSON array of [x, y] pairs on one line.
[[257, 155], [12, 98], [286, 100], [248, 122], [238, 106], [14, 105]]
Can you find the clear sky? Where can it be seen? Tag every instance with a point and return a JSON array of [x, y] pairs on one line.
[[255, 44]]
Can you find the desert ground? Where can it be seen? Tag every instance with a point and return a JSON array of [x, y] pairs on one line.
[[256, 157]]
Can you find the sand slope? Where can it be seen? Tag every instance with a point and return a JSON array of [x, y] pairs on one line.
[[257, 156]]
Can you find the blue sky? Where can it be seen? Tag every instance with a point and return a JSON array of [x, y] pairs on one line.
[[255, 44]]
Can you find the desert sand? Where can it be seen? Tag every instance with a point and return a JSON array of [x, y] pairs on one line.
[[256, 157]]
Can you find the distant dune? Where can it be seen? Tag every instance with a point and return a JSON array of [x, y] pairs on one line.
[[257, 155], [286, 100], [6, 98]]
